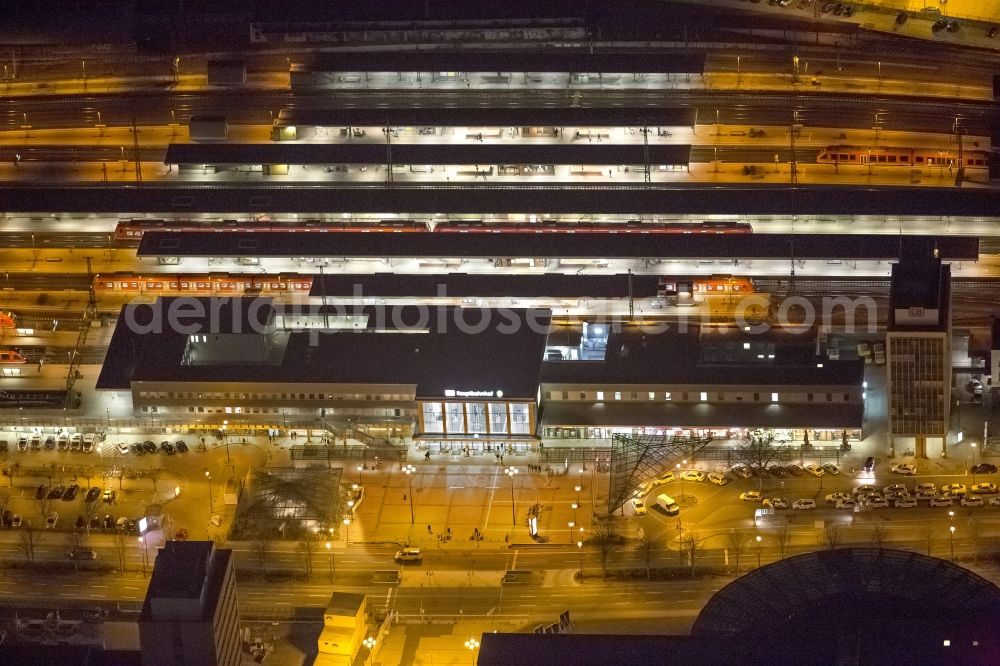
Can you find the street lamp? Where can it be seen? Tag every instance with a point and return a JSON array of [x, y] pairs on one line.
[[211, 507], [759, 539], [360, 468], [951, 530], [472, 644], [973, 445], [408, 470], [225, 438], [571, 525], [579, 547], [512, 472], [370, 644], [575, 507], [329, 550], [678, 466], [347, 526]]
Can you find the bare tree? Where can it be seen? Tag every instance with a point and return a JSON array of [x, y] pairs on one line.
[[76, 540], [781, 540], [927, 537], [691, 546], [831, 535], [29, 537], [880, 534], [261, 547], [90, 511], [4, 500], [757, 451], [154, 474], [647, 549], [605, 539], [44, 506], [121, 543], [737, 544], [307, 546]]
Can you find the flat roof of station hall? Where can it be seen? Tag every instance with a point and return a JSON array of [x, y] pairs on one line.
[[472, 198], [432, 348], [608, 246], [424, 153], [503, 116]]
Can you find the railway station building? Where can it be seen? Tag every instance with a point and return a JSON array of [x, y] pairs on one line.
[[450, 378]]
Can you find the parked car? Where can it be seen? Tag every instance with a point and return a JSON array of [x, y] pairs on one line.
[[926, 486], [994, 501], [895, 489], [869, 464], [643, 489], [22, 443], [50, 442], [3, 446], [16, 520], [52, 521], [803, 504], [56, 492], [878, 503], [779, 503], [940, 24], [796, 470], [41, 491], [942, 501], [952, 25], [70, 493], [985, 489], [638, 506], [122, 448], [984, 468], [63, 441], [953, 489], [833, 498], [81, 522], [149, 445], [777, 471], [109, 495], [901, 18], [971, 501], [718, 479], [693, 475], [168, 448], [815, 470], [845, 504], [831, 469], [864, 488], [7, 516], [95, 523], [76, 442], [925, 494], [137, 449], [750, 496], [181, 445], [92, 494], [906, 470], [109, 522], [742, 471], [82, 554], [991, 32], [905, 503], [88, 442], [121, 524], [36, 442], [666, 477]]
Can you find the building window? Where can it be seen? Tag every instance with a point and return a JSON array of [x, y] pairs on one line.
[[774, 397], [666, 396], [548, 395], [477, 416], [704, 396], [583, 396], [520, 419], [847, 397], [565, 395], [618, 395], [600, 395], [433, 417], [756, 397], [829, 397], [652, 395], [498, 417], [809, 397], [454, 417]]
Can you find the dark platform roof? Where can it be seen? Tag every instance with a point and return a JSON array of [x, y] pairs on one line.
[[637, 357], [625, 414], [512, 60], [485, 285], [567, 198], [308, 244], [503, 116], [449, 356], [422, 153]]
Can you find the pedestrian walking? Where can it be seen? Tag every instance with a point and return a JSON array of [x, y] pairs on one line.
[[429, 530], [404, 497]]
